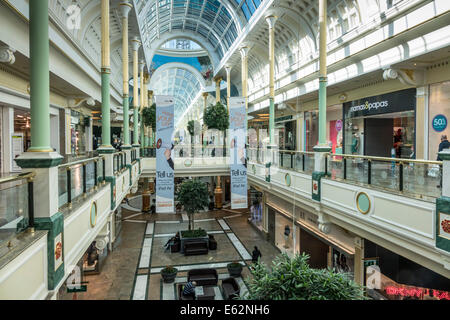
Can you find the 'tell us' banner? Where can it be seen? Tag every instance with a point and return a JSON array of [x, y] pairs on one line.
[[164, 153], [238, 164]]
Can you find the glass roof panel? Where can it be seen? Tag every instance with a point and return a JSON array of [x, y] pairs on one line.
[[178, 82]]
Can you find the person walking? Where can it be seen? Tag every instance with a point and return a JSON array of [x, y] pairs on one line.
[[445, 144], [256, 254]]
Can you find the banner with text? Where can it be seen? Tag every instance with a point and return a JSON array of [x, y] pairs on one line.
[[238, 163], [164, 152]]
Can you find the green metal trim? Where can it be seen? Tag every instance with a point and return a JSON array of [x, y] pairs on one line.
[[112, 180], [444, 155], [106, 150], [38, 163], [321, 148], [55, 226], [442, 206], [316, 177], [128, 147]]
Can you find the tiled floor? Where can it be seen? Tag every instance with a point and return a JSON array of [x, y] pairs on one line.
[[131, 271]]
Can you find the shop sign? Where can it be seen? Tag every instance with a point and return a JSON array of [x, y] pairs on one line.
[[338, 125], [416, 292], [285, 118], [439, 123], [404, 100]]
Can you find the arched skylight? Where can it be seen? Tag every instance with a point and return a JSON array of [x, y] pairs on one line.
[[179, 83], [213, 20]]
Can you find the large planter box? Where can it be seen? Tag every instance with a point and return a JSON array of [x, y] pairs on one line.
[[185, 239]]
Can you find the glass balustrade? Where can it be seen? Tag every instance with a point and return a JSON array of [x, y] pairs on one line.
[[15, 198]]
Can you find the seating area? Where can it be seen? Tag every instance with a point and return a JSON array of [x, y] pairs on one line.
[[230, 288], [195, 247], [203, 277]]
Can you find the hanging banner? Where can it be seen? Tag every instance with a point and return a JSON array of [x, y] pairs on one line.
[[238, 164], [164, 154]]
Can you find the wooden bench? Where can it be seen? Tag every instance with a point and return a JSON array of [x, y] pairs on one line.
[[195, 247]]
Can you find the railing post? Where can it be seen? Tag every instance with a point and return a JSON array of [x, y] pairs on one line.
[[345, 167], [69, 186], [95, 173], [104, 170], [292, 161], [326, 165], [30, 203], [303, 162], [84, 179], [400, 174], [369, 171], [281, 159]]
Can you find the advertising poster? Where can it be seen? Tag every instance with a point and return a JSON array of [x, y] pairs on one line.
[[238, 164], [17, 150], [164, 154]]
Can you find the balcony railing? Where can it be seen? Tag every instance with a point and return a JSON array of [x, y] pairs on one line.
[[416, 177], [76, 179], [189, 151], [16, 204], [119, 162], [300, 161]]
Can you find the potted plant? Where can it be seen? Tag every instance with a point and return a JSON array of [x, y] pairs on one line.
[[294, 279], [193, 196], [234, 269], [169, 274]]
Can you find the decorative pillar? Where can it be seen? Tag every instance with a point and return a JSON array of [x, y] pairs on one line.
[[244, 75], [322, 148], [218, 81], [106, 74], [40, 157], [135, 45], [271, 22], [228, 69], [125, 8], [322, 76]]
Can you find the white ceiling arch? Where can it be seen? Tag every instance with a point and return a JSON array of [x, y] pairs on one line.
[[188, 35], [179, 65]]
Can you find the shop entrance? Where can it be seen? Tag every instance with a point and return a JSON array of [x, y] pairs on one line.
[[378, 137], [271, 225], [316, 249]]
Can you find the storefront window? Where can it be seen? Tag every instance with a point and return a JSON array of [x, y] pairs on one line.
[[256, 208], [286, 131], [382, 126], [77, 133], [439, 114], [311, 130]]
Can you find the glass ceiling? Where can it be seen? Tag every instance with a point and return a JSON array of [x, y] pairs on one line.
[[208, 18], [179, 83]]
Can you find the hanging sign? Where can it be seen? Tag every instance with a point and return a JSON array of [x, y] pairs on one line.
[[164, 154], [238, 165], [439, 123]]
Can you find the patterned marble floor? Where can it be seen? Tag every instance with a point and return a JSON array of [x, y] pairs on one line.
[[132, 269]]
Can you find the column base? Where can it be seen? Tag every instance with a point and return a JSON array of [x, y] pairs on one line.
[[106, 149], [127, 147], [218, 198], [39, 159]]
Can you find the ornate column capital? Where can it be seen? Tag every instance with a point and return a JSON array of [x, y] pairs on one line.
[[271, 19], [218, 80], [124, 8], [7, 55], [135, 43], [228, 70], [244, 51], [141, 65]]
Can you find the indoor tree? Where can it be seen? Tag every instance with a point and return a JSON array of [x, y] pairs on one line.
[[192, 127], [216, 117], [194, 196], [149, 116], [293, 279]]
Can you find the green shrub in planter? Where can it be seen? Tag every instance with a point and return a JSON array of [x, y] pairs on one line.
[[234, 269], [193, 196], [169, 274], [294, 279], [199, 233]]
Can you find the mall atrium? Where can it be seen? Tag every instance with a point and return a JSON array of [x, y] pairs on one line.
[[176, 149]]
